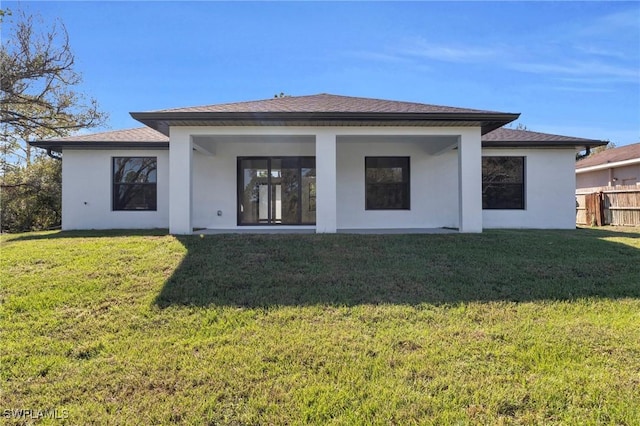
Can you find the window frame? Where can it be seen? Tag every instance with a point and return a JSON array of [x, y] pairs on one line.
[[522, 183], [114, 184], [406, 182], [270, 221]]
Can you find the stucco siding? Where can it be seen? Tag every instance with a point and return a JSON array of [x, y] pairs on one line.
[[628, 175], [592, 179], [215, 177], [549, 191], [87, 189], [433, 186]]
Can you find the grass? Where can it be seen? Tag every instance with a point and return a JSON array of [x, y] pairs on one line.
[[504, 327]]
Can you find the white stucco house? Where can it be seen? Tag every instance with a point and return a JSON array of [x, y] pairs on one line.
[[322, 163]]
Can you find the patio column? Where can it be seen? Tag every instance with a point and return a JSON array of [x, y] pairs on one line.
[[326, 204], [180, 165], [470, 181]]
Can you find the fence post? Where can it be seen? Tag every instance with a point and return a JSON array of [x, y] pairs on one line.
[[599, 209]]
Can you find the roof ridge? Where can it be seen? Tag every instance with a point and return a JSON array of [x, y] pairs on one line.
[[285, 99]]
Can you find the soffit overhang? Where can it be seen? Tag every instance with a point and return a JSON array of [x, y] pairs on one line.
[[579, 144], [58, 145], [162, 121]]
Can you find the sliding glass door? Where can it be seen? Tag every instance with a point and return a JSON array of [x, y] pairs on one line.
[[276, 191]]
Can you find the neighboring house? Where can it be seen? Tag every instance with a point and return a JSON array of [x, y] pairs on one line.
[[611, 167], [323, 162]]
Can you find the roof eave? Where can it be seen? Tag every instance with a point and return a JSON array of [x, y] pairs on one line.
[[58, 146], [160, 120], [583, 144]]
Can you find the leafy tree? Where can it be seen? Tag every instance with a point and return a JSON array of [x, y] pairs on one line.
[[597, 149], [38, 99], [31, 196], [38, 87], [593, 151]]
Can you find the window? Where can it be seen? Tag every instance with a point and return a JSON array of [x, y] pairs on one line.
[[277, 191], [387, 183], [503, 183], [134, 183]]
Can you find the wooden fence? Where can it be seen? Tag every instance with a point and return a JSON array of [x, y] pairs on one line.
[[619, 205]]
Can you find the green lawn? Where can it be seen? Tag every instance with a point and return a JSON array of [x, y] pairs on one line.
[[504, 327]]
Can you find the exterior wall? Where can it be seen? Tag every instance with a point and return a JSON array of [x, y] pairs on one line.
[[549, 191], [433, 186], [629, 175], [87, 187], [549, 180], [215, 177], [624, 175], [592, 179]]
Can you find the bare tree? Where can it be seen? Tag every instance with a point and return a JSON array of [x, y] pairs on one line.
[[37, 83], [518, 126]]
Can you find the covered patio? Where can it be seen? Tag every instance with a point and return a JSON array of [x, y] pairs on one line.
[[205, 162]]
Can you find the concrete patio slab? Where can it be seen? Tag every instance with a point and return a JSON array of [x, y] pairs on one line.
[[276, 230]]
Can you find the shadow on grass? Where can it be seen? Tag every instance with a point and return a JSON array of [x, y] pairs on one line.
[[93, 233], [348, 270]]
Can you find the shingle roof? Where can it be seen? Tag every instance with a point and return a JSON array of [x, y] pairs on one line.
[[142, 137], [139, 134], [323, 110], [504, 134], [325, 102], [613, 155]]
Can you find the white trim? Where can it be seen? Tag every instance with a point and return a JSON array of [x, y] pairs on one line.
[[203, 151], [447, 148]]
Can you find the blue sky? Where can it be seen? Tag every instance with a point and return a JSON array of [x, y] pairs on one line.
[[570, 68]]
